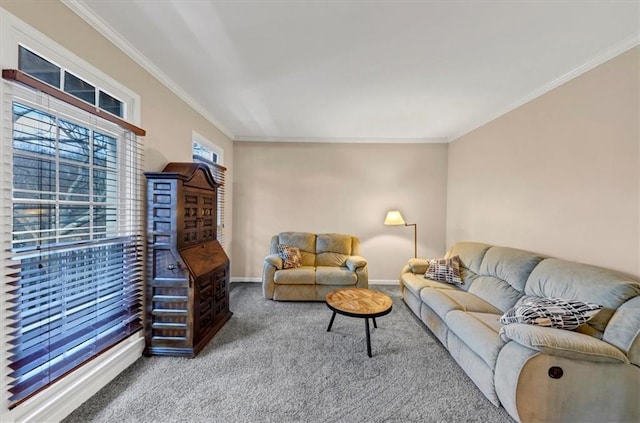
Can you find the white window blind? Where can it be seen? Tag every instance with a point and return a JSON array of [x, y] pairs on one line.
[[71, 217]]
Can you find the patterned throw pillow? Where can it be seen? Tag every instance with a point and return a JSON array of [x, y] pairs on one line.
[[290, 256], [444, 270], [551, 312]]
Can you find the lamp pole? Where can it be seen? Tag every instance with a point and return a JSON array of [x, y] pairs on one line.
[[415, 238]]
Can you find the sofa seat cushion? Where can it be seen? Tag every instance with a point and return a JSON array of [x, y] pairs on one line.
[[443, 301], [305, 275], [328, 275], [479, 331], [415, 283]]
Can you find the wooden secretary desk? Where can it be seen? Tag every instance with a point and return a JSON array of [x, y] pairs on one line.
[[187, 290]]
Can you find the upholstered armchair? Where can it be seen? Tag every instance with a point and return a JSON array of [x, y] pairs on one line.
[[303, 266]]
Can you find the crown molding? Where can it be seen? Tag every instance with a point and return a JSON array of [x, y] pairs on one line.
[[127, 48], [607, 54], [339, 140]]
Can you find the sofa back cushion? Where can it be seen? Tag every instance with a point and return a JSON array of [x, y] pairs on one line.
[[471, 254], [495, 274], [577, 281], [333, 249], [306, 242], [510, 265]]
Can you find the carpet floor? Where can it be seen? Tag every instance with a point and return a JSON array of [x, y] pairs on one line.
[[275, 362]]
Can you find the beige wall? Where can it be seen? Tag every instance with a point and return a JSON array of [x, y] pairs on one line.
[[559, 175], [343, 188], [168, 120]]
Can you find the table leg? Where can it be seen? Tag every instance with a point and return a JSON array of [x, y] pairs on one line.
[[333, 316], [375, 325], [366, 323]]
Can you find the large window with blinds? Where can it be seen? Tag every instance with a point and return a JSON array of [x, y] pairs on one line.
[[75, 249]]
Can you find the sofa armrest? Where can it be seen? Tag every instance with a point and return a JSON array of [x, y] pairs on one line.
[[275, 260], [356, 262], [418, 265], [562, 343]]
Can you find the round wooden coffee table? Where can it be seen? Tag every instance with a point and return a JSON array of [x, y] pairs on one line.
[[359, 302]]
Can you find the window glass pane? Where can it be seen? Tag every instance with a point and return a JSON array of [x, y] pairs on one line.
[[79, 88], [74, 142], [105, 186], [34, 178], [74, 182], [203, 152], [104, 221], [74, 223], [38, 67], [104, 150], [32, 222], [111, 104], [33, 130]]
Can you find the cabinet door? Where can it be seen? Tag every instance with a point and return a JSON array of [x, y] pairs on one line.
[[191, 216], [199, 219], [208, 219], [203, 311], [221, 291]]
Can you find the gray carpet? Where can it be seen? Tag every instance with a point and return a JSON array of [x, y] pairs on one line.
[[275, 362]]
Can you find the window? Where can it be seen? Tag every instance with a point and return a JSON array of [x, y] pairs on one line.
[[75, 258], [58, 77], [206, 155]]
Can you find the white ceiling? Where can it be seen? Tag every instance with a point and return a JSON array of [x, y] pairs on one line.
[[392, 71]]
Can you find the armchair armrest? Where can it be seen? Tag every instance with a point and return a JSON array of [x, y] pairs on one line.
[[418, 265], [562, 343], [275, 260], [356, 262]]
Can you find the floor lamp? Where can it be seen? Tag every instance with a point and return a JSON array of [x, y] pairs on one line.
[[394, 218]]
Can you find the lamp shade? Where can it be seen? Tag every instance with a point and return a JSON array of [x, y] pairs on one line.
[[394, 217]]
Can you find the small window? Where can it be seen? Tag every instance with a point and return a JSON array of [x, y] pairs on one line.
[[45, 71], [79, 88], [38, 67], [110, 104], [203, 152]]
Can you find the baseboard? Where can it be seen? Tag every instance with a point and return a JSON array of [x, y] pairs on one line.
[[57, 402], [383, 282], [245, 279], [242, 279]]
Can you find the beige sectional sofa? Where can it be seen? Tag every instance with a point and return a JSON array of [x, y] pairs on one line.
[[329, 261], [538, 374]]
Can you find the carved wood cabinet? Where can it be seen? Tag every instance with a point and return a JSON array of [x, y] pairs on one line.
[[187, 291]]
